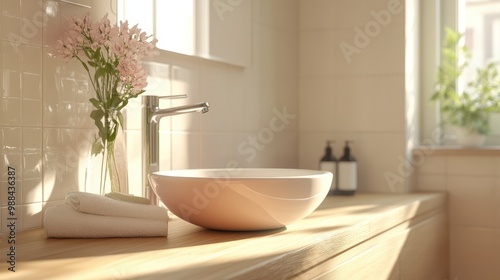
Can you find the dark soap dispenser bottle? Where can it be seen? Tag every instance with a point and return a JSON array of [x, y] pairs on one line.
[[329, 163], [347, 173]]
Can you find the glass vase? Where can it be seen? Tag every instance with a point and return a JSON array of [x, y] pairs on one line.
[[107, 171]]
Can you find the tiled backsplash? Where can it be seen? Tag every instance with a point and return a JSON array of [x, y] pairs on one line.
[[473, 187], [353, 86], [46, 130], [42, 110]]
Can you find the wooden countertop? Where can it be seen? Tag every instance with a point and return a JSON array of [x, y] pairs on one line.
[[190, 252]]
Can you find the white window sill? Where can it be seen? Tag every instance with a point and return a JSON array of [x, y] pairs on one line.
[[458, 151]]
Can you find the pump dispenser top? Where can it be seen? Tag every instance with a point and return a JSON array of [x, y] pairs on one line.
[[328, 153], [347, 153]]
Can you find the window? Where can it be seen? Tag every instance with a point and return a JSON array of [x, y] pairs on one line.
[[479, 20], [219, 30], [480, 23]]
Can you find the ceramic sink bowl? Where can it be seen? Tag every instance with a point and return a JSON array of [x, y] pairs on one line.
[[241, 199]]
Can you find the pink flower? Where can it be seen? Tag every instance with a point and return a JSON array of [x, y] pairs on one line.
[[117, 48], [111, 55], [132, 76]]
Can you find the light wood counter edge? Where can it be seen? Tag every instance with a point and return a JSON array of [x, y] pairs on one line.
[[339, 224]]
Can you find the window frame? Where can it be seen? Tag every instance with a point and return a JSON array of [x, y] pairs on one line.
[[435, 16]]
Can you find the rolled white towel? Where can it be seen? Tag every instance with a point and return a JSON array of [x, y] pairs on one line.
[[100, 205], [62, 221]]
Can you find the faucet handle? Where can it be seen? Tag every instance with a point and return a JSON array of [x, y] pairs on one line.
[[174, 96]]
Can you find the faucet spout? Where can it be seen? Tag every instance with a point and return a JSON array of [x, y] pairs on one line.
[[151, 116], [158, 114]]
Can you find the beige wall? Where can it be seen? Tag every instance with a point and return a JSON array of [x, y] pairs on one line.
[[473, 187], [353, 86]]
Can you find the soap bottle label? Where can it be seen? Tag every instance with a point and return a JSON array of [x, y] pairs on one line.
[[348, 179], [330, 166]]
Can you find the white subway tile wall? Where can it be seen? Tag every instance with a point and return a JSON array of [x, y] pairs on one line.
[[473, 187], [21, 109], [352, 87], [45, 126]]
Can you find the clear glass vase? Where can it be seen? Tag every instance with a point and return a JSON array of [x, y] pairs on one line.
[[107, 171]]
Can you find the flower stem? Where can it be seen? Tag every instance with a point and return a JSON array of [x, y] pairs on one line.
[[114, 175], [104, 172]]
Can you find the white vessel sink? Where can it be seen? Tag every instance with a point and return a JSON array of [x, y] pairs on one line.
[[241, 199]]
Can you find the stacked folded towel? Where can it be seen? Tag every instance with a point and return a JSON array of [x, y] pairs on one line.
[[86, 215]]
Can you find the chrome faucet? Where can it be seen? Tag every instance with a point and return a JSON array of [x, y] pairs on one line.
[[151, 116]]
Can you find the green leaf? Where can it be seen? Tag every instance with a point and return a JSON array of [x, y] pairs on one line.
[[100, 72], [88, 52], [85, 66], [115, 101], [95, 102], [97, 54], [114, 132], [97, 147], [102, 130], [137, 94], [119, 116], [97, 115], [124, 103]]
